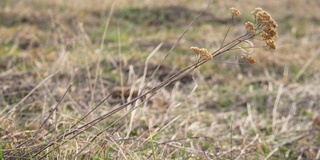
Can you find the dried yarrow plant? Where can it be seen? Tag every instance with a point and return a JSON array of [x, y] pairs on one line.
[[264, 25], [202, 52]]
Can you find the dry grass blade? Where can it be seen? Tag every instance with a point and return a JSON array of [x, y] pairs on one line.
[[275, 108], [143, 84], [307, 64]]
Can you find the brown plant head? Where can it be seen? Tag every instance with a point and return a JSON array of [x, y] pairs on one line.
[[267, 26], [248, 57], [264, 25], [250, 27], [234, 11], [256, 10], [202, 52]]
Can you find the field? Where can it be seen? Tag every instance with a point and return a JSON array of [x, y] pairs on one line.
[[118, 80]]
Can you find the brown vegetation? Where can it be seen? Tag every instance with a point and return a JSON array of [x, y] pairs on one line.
[[105, 80]]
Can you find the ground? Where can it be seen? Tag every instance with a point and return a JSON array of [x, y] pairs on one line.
[[70, 72]]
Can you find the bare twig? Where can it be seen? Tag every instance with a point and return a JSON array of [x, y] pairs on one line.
[[225, 36]]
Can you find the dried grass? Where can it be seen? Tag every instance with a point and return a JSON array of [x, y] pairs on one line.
[[147, 117]]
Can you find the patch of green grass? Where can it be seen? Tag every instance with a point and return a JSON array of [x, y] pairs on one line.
[[153, 148], [205, 145], [307, 113], [108, 153], [30, 157], [3, 146], [265, 149]]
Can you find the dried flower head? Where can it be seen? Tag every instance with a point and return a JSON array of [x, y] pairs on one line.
[[263, 16], [271, 31], [263, 25], [273, 23], [202, 52], [256, 10], [266, 36], [234, 11], [248, 57], [250, 27], [267, 26], [271, 43]]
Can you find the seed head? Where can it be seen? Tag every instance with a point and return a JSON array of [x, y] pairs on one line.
[[263, 16], [267, 26], [256, 10], [271, 43], [272, 32], [266, 36], [248, 57], [250, 27], [273, 23], [234, 11], [202, 52]]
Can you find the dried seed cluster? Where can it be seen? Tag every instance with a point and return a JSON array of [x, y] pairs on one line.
[[248, 57], [202, 52], [264, 25], [267, 25], [250, 27], [234, 11]]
